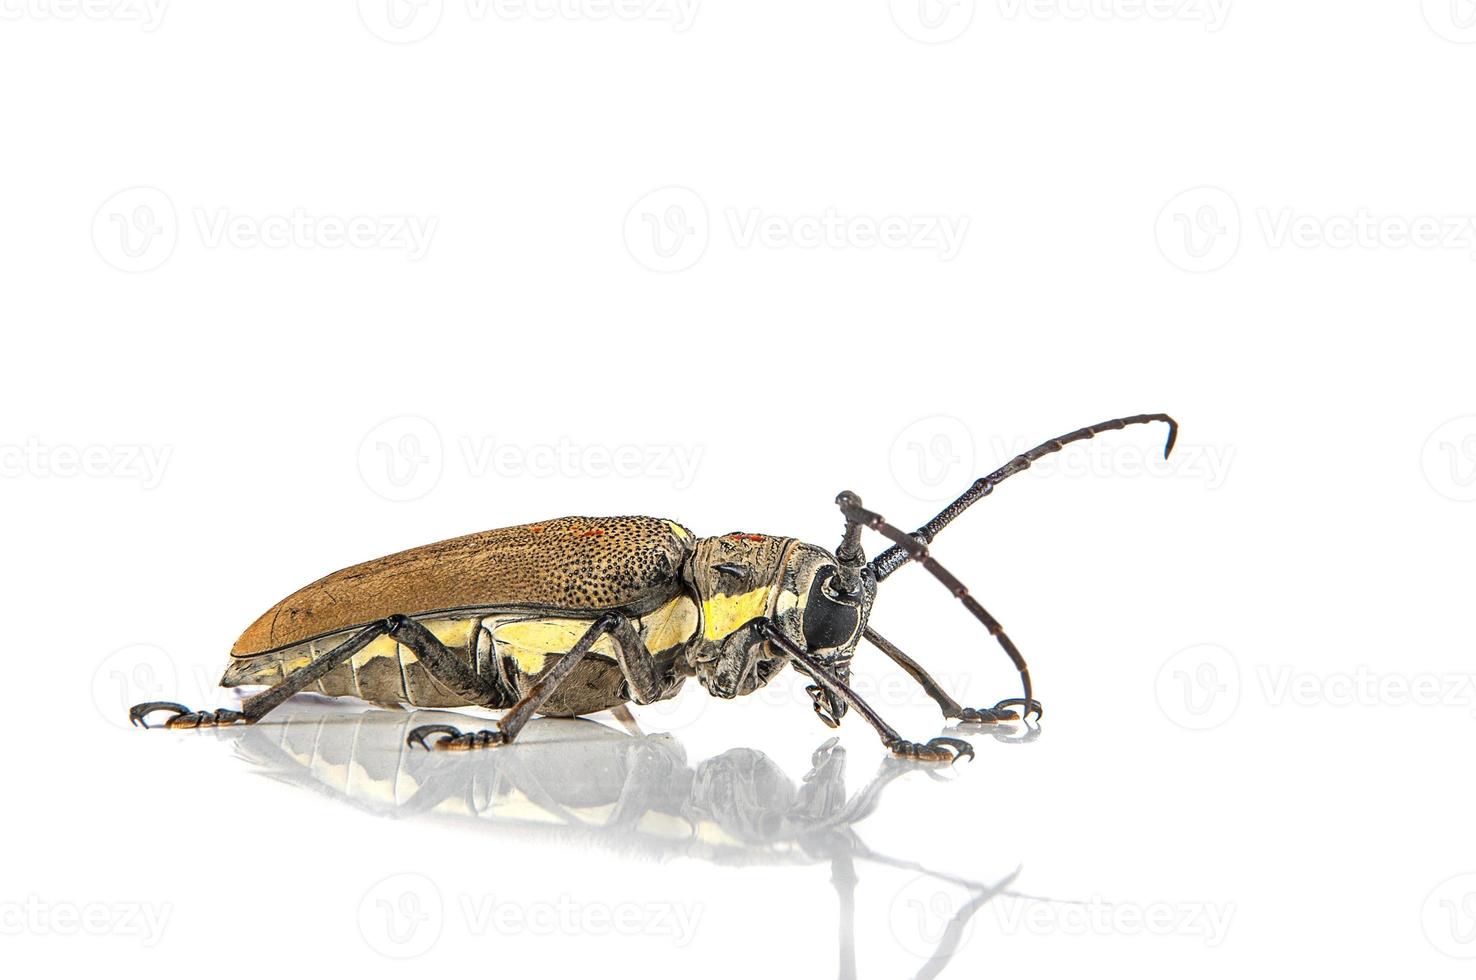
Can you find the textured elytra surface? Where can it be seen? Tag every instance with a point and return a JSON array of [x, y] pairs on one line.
[[570, 563]]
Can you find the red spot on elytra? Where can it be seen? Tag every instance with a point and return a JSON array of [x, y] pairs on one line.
[[536, 528], [593, 532]]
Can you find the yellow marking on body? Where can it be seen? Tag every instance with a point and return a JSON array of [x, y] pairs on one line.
[[664, 825], [455, 633], [787, 601], [722, 614], [711, 833], [384, 646], [678, 530], [530, 641], [671, 625]]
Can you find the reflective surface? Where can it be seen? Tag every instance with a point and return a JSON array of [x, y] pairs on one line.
[[569, 784]]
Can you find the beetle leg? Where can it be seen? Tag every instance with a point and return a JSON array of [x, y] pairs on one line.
[[940, 749], [183, 717], [519, 714], [254, 707], [850, 505], [1003, 711]]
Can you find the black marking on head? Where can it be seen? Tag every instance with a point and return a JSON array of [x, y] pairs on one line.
[[828, 622]]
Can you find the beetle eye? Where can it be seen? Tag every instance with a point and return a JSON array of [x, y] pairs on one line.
[[732, 569], [828, 622]]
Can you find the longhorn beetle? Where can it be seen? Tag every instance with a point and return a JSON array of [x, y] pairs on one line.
[[583, 614]]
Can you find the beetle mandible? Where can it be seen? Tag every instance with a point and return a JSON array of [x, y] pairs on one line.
[[581, 614]]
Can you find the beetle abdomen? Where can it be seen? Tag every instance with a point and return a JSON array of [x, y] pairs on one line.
[[384, 672], [578, 564]]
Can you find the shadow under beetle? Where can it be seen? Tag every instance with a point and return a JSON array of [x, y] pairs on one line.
[[584, 614]]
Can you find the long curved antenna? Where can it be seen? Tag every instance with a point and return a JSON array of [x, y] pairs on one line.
[[850, 506], [898, 555]]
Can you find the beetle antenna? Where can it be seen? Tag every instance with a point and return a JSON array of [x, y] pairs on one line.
[[898, 555], [850, 505]]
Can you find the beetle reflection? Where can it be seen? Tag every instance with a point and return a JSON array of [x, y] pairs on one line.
[[579, 781]]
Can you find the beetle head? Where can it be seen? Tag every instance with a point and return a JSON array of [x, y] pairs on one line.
[[743, 577], [817, 613]]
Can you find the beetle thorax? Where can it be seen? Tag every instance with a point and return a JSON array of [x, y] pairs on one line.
[[737, 578]]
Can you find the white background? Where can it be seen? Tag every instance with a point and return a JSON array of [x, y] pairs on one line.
[[705, 242]]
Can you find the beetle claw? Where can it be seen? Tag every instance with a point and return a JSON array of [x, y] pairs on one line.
[[940, 749], [183, 717], [453, 739], [987, 716], [1028, 706]]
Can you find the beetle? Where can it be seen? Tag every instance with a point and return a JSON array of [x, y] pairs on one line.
[[583, 614]]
